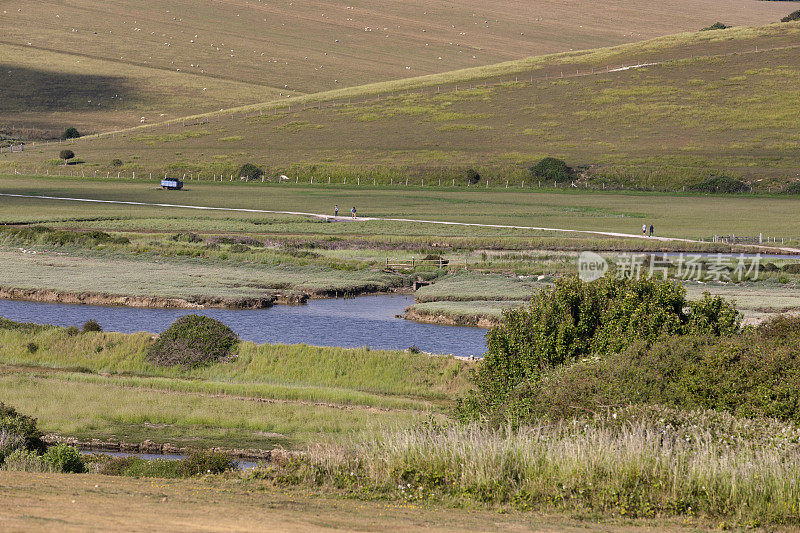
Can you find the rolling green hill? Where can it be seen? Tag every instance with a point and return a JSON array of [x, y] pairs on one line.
[[102, 65], [663, 113]]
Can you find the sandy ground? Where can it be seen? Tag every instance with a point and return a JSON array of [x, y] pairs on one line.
[[86, 502]]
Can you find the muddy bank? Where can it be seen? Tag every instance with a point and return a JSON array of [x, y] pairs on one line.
[[150, 447], [153, 302], [476, 321]]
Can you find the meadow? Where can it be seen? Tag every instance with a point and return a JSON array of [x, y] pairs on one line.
[[269, 395], [689, 215], [180, 58]]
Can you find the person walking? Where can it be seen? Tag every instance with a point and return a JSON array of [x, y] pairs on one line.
[[644, 230], [336, 210], [353, 212], [651, 230]]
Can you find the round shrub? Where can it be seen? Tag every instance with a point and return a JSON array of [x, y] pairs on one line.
[[65, 458], [193, 340], [70, 133], [792, 268], [552, 169], [66, 155], [91, 325], [116, 163], [249, 172]]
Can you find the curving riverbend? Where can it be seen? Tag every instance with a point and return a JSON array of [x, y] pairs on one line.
[[350, 323]]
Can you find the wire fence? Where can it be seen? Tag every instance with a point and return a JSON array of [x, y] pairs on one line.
[[591, 184]]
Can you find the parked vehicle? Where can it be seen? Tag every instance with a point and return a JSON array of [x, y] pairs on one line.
[[173, 185]]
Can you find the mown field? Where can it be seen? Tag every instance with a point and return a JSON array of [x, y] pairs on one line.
[[648, 127], [134, 57], [689, 216]]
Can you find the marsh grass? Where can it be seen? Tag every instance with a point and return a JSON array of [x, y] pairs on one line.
[[299, 372], [642, 464]]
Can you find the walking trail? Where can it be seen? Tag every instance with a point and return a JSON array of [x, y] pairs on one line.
[[390, 219]]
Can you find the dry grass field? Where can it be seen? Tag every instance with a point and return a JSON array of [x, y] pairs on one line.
[[662, 126], [134, 57], [63, 502]]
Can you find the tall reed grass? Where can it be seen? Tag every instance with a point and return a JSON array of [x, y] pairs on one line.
[[705, 464]]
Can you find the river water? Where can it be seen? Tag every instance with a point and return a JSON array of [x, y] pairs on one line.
[[350, 323]]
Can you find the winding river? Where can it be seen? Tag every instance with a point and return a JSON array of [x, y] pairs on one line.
[[350, 323]]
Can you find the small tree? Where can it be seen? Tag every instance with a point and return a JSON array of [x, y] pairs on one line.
[[552, 169], [66, 155], [70, 133], [250, 172], [716, 26], [791, 17], [472, 176]]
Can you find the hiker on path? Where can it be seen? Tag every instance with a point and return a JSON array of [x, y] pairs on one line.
[[353, 211], [336, 210], [644, 230], [651, 230]]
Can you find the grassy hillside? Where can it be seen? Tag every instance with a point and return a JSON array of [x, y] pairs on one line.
[[650, 126], [290, 47]]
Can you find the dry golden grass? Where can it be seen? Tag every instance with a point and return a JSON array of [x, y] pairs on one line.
[[297, 47]]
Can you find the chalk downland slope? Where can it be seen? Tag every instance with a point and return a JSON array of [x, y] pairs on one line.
[[265, 48], [717, 101]]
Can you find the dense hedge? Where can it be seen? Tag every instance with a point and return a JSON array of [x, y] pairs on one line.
[[193, 340], [755, 374], [575, 320], [721, 184]]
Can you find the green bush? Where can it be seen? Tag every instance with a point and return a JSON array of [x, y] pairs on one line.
[[196, 463], [716, 26], [552, 169], [21, 426], [22, 460], [755, 374], [206, 462], [249, 172], [32, 347], [791, 268], [575, 320], [473, 176], [791, 17], [66, 155], [116, 163], [721, 184], [193, 340], [70, 133], [91, 325], [64, 458], [793, 188]]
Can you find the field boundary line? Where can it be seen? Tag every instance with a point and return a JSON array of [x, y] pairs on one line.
[[386, 219]]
